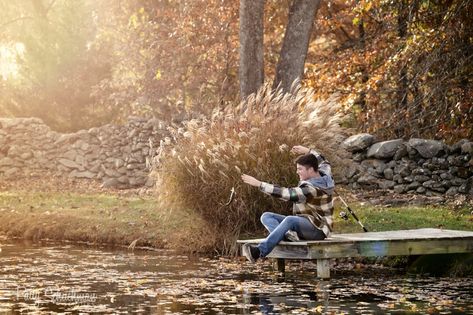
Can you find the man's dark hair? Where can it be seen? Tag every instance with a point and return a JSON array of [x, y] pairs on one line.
[[308, 160]]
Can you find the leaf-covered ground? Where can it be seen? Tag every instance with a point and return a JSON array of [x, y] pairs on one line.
[[43, 207], [81, 211], [66, 278]]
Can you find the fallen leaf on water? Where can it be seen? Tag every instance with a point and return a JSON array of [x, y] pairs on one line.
[[318, 309]]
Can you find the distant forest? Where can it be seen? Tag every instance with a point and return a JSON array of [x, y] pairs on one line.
[[400, 68]]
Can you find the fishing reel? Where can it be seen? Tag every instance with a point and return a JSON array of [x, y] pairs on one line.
[[343, 215]]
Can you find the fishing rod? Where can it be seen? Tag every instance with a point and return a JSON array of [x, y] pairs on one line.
[[345, 216]]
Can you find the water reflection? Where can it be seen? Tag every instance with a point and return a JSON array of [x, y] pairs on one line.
[[315, 301], [73, 279]]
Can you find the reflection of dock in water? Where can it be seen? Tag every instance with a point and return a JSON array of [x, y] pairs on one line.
[[274, 303]]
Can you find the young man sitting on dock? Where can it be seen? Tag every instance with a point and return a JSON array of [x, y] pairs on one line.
[[312, 209]]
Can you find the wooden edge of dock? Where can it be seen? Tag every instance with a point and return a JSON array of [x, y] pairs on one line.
[[371, 244]]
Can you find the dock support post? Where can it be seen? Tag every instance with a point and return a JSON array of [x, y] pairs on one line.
[[323, 268], [280, 264]]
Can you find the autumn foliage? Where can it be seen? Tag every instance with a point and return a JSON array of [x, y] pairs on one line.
[[402, 68]]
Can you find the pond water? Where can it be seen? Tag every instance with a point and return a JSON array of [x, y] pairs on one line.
[[58, 278]]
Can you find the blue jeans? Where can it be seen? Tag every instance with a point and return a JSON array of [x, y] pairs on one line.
[[278, 225]]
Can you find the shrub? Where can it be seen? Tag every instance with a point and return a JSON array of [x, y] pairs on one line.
[[255, 137]]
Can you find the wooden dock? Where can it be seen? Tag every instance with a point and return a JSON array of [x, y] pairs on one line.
[[388, 243]]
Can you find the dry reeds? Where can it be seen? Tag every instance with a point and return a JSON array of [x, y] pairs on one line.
[[255, 137]]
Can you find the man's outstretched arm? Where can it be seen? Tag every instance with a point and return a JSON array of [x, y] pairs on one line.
[[250, 180], [295, 194]]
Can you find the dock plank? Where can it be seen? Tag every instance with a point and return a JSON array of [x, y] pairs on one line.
[[369, 244], [387, 243]]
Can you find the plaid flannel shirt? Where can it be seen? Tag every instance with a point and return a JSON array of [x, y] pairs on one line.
[[314, 203]]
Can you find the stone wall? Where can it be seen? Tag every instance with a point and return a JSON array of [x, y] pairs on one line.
[[419, 166], [119, 156]]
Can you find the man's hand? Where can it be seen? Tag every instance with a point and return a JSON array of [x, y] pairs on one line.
[[300, 149], [250, 180]]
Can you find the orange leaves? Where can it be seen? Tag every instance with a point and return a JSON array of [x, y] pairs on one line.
[[428, 63]]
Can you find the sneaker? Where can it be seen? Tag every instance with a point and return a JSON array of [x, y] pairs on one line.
[[292, 236], [251, 252]]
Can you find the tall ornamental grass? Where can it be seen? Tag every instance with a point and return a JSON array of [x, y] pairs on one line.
[[198, 168]]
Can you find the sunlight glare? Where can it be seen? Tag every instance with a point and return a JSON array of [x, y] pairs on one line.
[[9, 68]]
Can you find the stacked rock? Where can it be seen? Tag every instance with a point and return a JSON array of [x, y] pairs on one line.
[[415, 166], [119, 156]]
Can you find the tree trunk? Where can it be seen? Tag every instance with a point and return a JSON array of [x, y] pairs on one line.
[[296, 42], [251, 46], [403, 81], [361, 100]]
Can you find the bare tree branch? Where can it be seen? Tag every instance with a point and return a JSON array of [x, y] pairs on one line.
[[15, 20]]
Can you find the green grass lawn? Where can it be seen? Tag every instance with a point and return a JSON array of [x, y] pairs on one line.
[[115, 218], [97, 218], [378, 218]]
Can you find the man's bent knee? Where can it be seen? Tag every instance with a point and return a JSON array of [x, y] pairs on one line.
[[291, 221], [265, 216]]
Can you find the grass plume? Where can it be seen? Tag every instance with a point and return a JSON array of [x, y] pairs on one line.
[[198, 169]]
